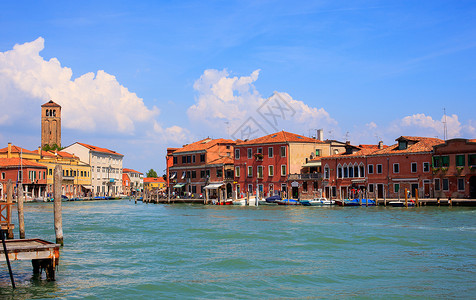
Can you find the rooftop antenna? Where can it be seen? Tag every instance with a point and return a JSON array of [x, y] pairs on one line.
[[346, 136], [445, 127], [227, 128]]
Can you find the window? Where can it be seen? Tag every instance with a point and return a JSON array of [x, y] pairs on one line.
[[98, 169], [194, 188], [250, 188], [345, 172], [460, 184], [238, 190], [334, 191], [356, 171], [446, 184], [189, 174], [441, 161], [3, 175], [193, 158], [402, 145], [339, 172], [202, 174], [371, 188], [250, 152], [396, 168], [219, 173], [379, 169], [260, 151], [371, 169], [175, 160], [270, 152], [202, 157], [237, 171], [189, 159], [207, 173], [260, 171], [237, 153], [426, 167], [184, 159], [283, 170], [460, 160], [227, 146], [414, 167], [194, 173], [326, 172], [318, 152], [396, 187], [283, 151], [270, 170], [362, 171], [471, 160], [250, 171], [437, 184], [351, 171], [304, 186], [50, 171]]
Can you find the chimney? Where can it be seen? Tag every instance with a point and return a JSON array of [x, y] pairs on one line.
[[39, 150], [9, 153], [320, 135], [380, 145]]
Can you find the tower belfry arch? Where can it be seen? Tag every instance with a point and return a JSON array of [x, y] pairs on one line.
[[51, 124]]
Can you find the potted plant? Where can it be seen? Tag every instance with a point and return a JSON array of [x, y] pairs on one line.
[[259, 156]]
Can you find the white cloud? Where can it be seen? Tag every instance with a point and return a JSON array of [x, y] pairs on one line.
[[91, 102], [222, 98], [423, 125]]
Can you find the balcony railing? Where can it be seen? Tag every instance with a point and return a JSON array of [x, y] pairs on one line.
[[307, 176]]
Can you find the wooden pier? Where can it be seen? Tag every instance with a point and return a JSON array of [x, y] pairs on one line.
[[43, 255]]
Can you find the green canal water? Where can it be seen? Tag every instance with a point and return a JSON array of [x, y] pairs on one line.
[[122, 250]]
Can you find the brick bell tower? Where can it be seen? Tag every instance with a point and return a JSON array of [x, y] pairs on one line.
[[50, 124]]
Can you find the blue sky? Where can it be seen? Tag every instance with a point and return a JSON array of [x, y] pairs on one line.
[[140, 77]]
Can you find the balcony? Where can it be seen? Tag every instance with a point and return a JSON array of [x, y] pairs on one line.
[[308, 176]]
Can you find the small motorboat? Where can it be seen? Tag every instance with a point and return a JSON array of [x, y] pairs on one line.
[[401, 203], [288, 202], [318, 202], [355, 202]]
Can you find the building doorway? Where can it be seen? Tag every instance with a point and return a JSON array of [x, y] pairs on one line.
[[295, 192], [414, 187], [229, 191], [472, 187], [380, 190]]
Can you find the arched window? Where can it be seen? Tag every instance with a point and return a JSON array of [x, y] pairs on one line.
[[54, 113], [362, 170], [346, 171], [47, 112], [356, 171], [351, 171], [339, 171]]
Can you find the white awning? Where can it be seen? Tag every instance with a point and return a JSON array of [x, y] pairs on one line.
[[312, 164], [213, 186], [179, 185], [88, 187]]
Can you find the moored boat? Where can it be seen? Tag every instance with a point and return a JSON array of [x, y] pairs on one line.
[[355, 202], [288, 202], [401, 203]]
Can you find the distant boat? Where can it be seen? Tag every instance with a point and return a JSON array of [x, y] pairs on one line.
[[355, 202], [317, 202], [239, 202], [401, 203], [288, 202]]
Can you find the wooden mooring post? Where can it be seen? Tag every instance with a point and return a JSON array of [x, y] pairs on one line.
[[406, 197], [21, 217], [57, 182], [416, 197]]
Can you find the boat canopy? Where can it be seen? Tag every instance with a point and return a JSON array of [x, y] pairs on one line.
[[213, 186]]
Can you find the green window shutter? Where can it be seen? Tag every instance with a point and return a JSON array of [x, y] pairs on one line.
[[445, 161], [460, 160]]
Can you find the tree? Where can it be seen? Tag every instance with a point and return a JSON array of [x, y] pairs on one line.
[[151, 174]]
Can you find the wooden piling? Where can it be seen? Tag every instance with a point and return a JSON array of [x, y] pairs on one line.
[[57, 182], [21, 217], [10, 234], [416, 197], [406, 197], [450, 202]]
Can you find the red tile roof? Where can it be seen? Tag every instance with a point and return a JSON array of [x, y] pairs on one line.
[[17, 162], [98, 149], [153, 179], [130, 171], [204, 144], [50, 104], [280, 137], [221, 160], [422, 144], [16, 149], [59, 153]]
